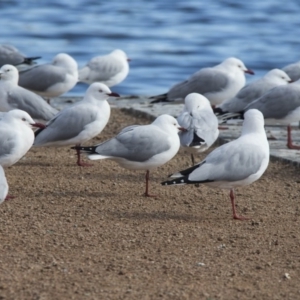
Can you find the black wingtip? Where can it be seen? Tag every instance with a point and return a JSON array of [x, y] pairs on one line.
[[29, 60], [197, 141], [160, 98], [87, 149], [218, 111]]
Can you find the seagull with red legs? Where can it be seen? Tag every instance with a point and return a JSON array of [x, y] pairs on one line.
[[279, 106], [237, 163], [79, 122], [140, 147]]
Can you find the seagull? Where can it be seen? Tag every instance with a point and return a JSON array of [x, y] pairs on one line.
[[12, 56], [237, 163], [142, 147], [79, 122], [200, 123], [252, 91], [281, 105], [110, 69], [51, 80], [13, 96], [16, 136], [293, 70], [217, 83], [3, 185]]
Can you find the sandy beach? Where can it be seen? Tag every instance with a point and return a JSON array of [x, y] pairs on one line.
[[88, 233]]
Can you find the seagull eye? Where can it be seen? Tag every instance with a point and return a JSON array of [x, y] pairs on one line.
[[23, 119], [100, 91]]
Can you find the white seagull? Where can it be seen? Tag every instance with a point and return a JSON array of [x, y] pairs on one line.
[[53, 79], [78, 123], [3, 185], [16, 136], [281, 105], [140, 147], [217, 83], [200, 123], [252, 91], [10, 55], [293, 70], [237, 163], [110, 69], [13, 96]]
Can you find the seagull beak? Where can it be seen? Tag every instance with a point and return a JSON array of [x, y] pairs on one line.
[[113, 95], [39, 125], [182, 129], [290, 81], [249, 72]]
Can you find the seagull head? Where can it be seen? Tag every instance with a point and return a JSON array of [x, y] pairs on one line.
[[9, 73], [99, 91], [237, 64]]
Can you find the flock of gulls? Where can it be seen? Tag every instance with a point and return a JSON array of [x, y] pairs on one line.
[[212, 96]]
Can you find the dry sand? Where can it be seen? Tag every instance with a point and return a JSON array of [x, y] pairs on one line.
[[88, 233]]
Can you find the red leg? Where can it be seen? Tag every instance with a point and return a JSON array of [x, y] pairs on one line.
[[146, 194], [235, 216], [289, 139], [79, 162], [222, 128], [8, 197]]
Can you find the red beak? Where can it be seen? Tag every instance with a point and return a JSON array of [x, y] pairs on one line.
[[113, 95], [39, 125], [249, 72], [182, 129]]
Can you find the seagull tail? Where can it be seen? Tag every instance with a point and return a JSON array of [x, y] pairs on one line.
[[30, 60], [177, 181], [230, 116], [88, 150], [160, 98]]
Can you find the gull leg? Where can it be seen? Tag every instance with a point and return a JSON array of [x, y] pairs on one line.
[[235, 216], [146, 194], [8, 197], [290, 144], [80, 163], [193, 159]]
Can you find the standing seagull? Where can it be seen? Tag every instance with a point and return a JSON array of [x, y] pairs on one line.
[[78, 123], [12, 56], [3, 185], [13, 96], [200, 123], [109, 69], [237, 163], [252, 91], [281, 105], [140, 147], [51, 80], [16, 136], [293, 70], [217, 83]]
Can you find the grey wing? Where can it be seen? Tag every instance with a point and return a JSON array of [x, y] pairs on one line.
[[185, 120], [205, 125], [278, 102], [33, 104], [231, 162], [293, 70], [138, 143], [41, 77], [246, 95], [206, 80], [10, 55], [7, 141], [105, 68], [66, 125]]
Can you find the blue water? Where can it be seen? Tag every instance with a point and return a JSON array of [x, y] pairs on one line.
[[166, 40]]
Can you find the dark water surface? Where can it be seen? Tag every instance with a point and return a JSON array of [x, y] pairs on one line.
[[166, 40]]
